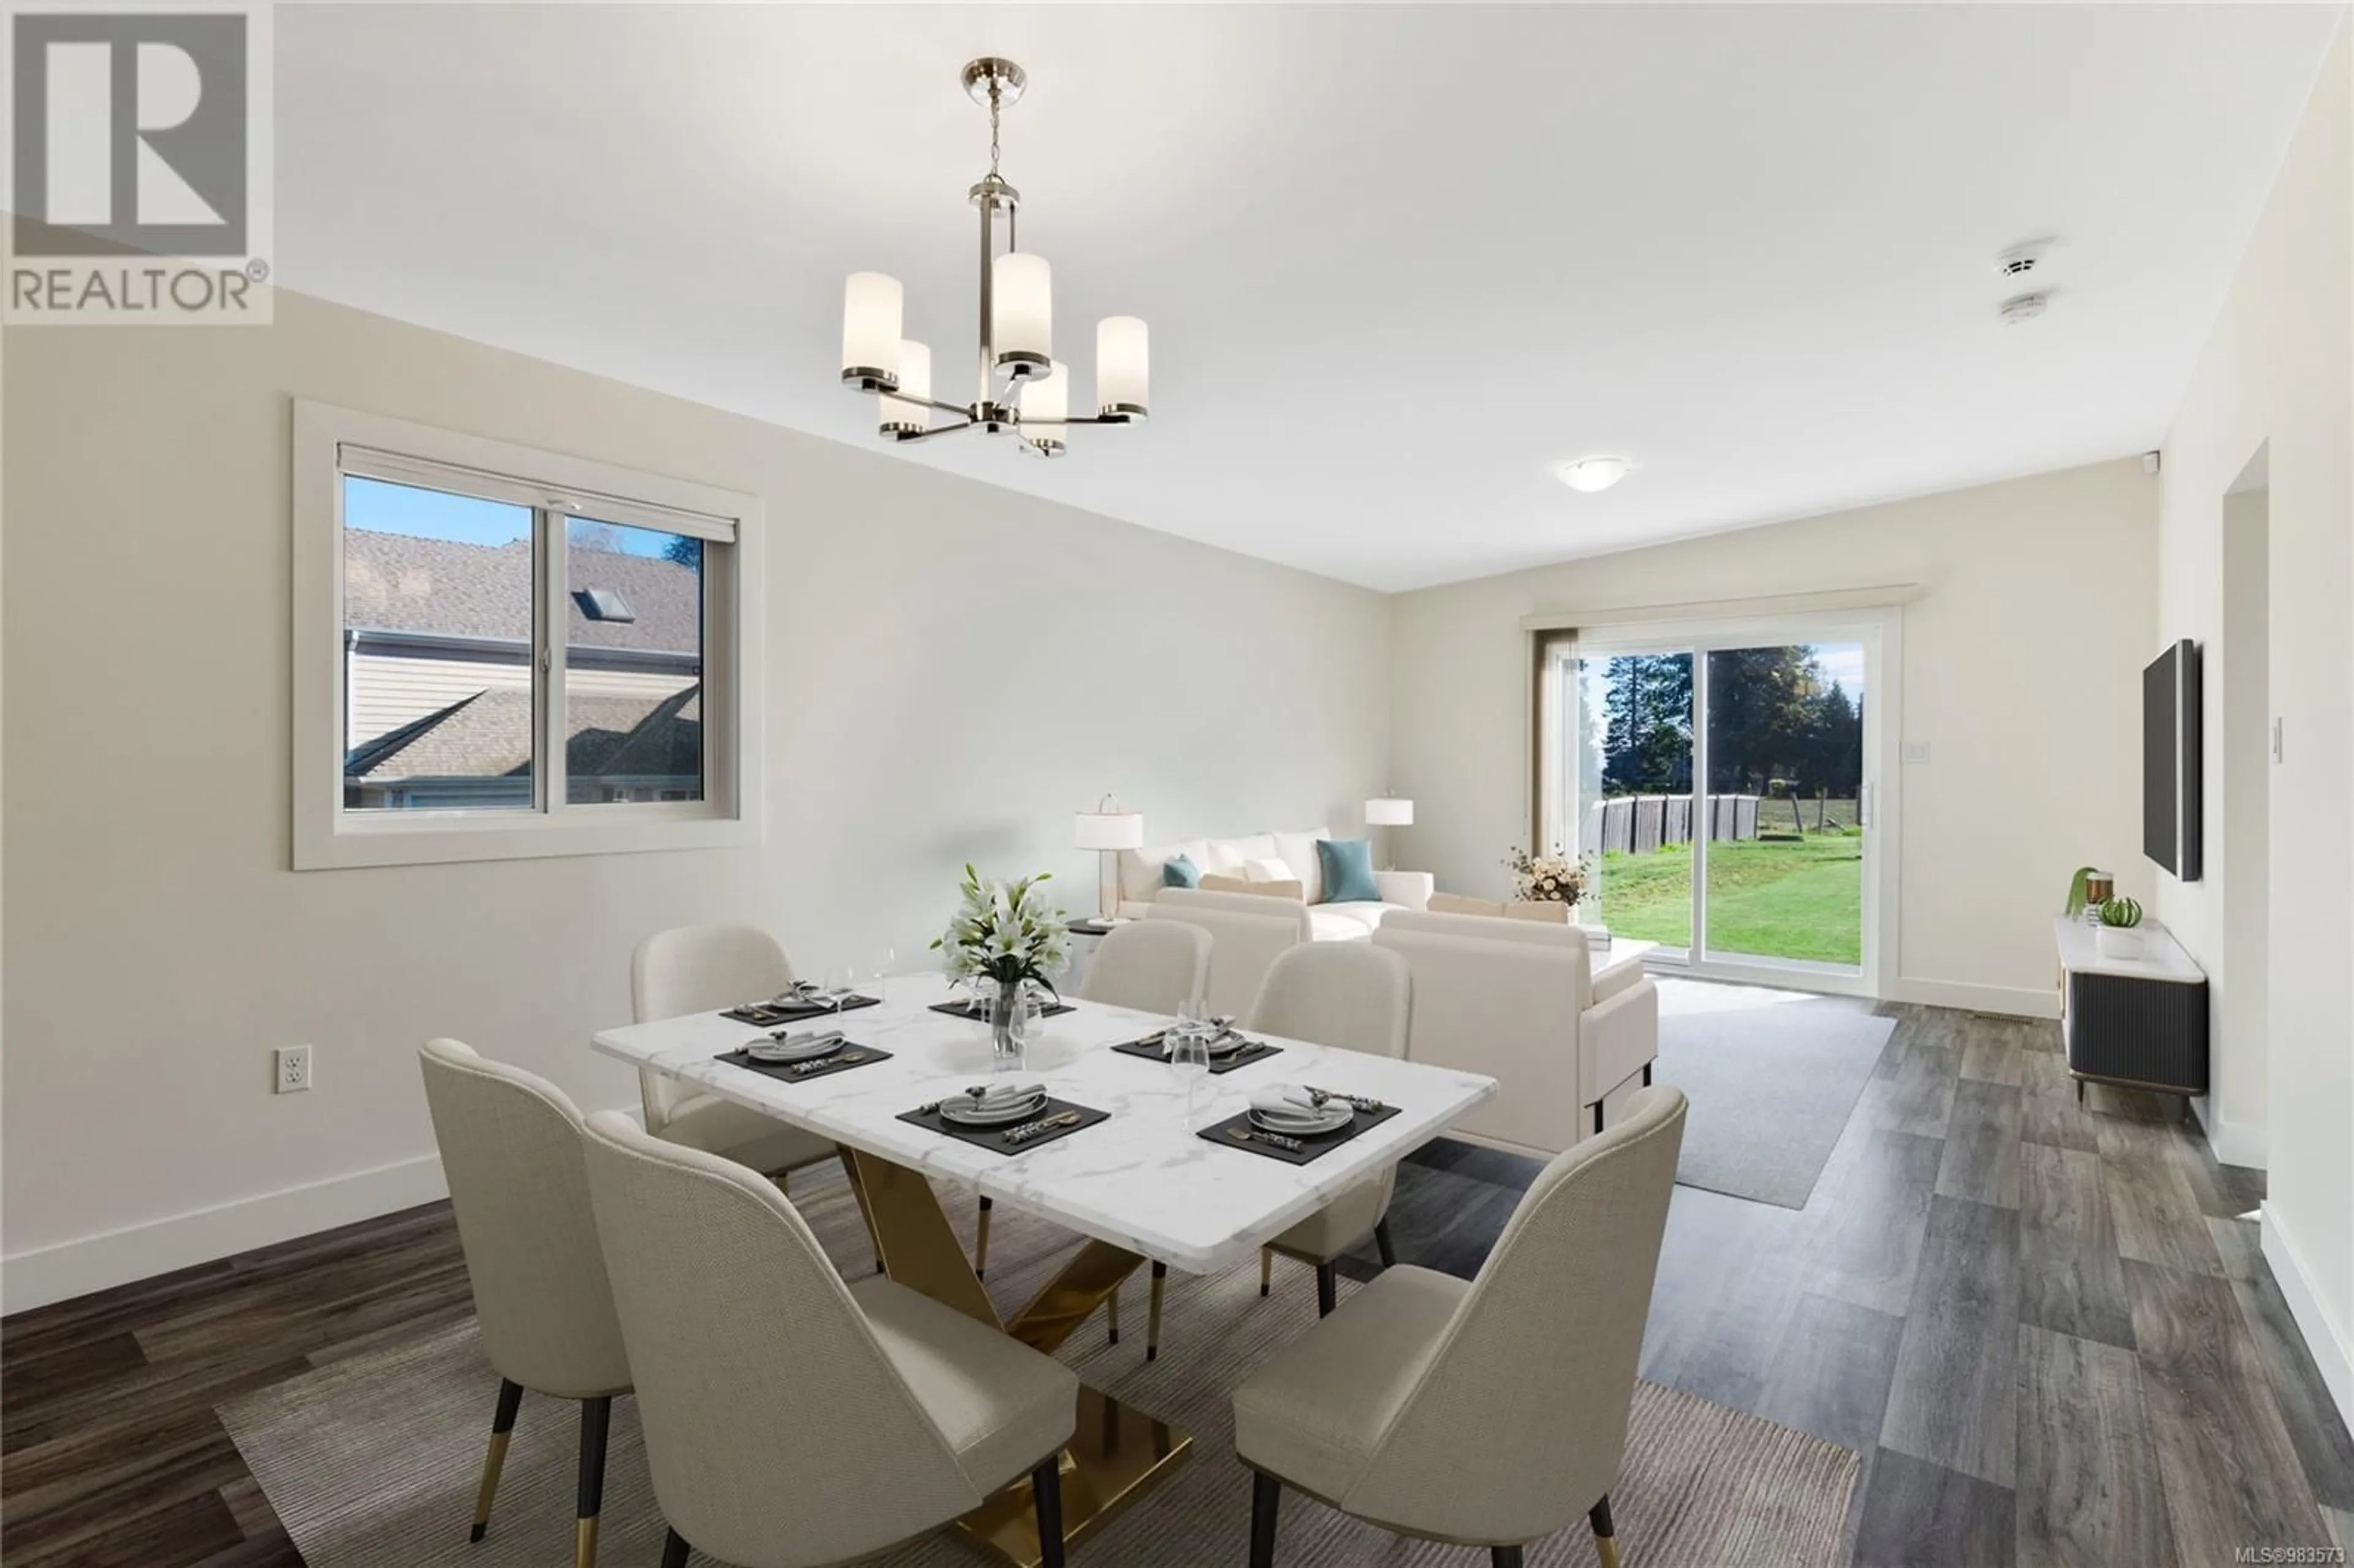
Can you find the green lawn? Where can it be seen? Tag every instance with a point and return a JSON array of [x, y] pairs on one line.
[[1773, 900]]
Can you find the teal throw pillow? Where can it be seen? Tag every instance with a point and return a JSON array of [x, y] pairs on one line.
[[1179, 871], [1348, 866]]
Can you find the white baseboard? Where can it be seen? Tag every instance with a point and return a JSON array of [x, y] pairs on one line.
[[2325, 1339], [2015, 1002], [2233, 1142], [41, 1276], [58, 1273]]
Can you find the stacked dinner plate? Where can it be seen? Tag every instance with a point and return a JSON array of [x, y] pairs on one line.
[[1296, 1110], [992, 1104], [804, 1047]]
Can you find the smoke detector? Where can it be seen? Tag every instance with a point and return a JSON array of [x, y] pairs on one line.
[[2020, 259], [2022, 308]]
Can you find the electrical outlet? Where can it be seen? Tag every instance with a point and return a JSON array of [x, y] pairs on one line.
[[1916, 751], [293, 1068]]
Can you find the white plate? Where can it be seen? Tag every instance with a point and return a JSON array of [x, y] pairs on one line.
[[1331, 1118], [772, 1052], [970, 1115]]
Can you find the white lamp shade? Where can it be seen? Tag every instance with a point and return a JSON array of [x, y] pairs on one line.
[[1021, 309], [915, 381], [1389, 812], [1108, 831], [870, 322], [1046, 399], [1123, 365]]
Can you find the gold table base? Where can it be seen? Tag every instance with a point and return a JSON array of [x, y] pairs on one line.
[[1116, 1454]]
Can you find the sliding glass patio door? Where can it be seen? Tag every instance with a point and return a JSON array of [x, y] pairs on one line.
[[1724, 785]]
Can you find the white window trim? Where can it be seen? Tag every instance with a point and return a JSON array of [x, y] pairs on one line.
[[328, 837]]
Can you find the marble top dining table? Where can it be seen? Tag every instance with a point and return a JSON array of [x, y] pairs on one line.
[[1141, 1181]]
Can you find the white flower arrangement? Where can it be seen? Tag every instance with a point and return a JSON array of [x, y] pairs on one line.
[[1005, 932], [1546, 878]]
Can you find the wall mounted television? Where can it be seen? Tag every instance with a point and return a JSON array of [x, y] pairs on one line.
[[2169, 760]]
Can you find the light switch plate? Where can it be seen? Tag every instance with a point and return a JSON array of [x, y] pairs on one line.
[[1916, 751]]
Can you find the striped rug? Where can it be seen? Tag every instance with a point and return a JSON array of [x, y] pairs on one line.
[[372, 1462]]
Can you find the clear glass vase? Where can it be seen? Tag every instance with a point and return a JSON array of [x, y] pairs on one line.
[[1009, 1026]]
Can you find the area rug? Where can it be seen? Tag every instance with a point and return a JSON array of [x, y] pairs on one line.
[[372, 1462], [1771, 1076]]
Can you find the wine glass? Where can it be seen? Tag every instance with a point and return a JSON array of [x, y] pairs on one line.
[[838, 985], [1188, 1048], [879, 972]]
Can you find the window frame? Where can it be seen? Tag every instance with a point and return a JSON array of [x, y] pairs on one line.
[[330, 442]]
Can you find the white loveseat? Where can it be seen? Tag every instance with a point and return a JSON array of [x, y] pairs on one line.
[[1140, 879], [1516, 1000]]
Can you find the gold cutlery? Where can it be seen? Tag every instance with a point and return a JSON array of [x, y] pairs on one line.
[[1029, 1130], [1276, 1139]]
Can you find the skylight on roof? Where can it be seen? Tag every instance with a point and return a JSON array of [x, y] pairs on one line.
[[604, 604]]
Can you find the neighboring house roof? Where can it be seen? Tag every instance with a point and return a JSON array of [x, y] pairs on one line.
[[399, 582], [488, 736]]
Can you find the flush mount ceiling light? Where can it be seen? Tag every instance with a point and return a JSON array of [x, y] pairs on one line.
[[1594, 473], [1024, 388]]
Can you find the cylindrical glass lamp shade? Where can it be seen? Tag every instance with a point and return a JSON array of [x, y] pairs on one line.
[[1021, 313], [870, 329], [1046, 399], [1389, 812], [899, 416], [1108, 831], [1123, 367]]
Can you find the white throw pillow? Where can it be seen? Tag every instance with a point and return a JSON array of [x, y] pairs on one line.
[[1268, 869], [1297, 850]]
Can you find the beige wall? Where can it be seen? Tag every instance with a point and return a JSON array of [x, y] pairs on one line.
[[2276, 378], [954, 669], [2021, 656]]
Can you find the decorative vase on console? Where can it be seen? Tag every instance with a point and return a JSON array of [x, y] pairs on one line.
[[1008, 938]]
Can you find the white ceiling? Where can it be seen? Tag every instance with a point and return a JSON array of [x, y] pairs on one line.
[[1398, 261]]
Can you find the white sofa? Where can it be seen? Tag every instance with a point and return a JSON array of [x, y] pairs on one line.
[[1140, 879], [1515, 1000], [1248, 931]]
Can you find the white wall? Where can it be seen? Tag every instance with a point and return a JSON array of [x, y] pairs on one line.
[[2021, 668], [955, 669], [2275, 376]]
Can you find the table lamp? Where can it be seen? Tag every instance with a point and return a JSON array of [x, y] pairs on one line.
[[1107, 830], [1388, 811]]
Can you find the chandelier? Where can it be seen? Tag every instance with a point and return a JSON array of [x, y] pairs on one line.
[[1023, 388]]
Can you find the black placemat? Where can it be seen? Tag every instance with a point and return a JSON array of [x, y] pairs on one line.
[[1257, 1050], [1222, 1134], [993, 1137], [766, 1014], [980, 1015], [851, 1056]]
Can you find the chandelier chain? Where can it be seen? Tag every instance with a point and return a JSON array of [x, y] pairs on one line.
[[995, 94]]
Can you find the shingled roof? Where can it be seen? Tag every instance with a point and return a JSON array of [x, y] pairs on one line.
[[401, 582], [488, 736]]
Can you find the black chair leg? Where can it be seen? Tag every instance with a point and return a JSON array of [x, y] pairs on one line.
[[1327, 1289], [595, 1418], [1606, 1537], [1504, 1556], [1382, 1242], [1047, 1493], [675, 1550], [1152, 1311], [1647, 1074], [1266, 1494], [502, 1420]]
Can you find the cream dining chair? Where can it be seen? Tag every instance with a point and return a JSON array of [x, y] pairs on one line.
[[791, 1420], [702, 969], [1358, 997], [1487, 1413], [510, 1150]]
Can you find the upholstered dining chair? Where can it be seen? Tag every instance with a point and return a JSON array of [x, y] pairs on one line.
[[1150, 966], [700, 969], [791, 1420], [1358, 997], [510, 1150], [1488, 1413]]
